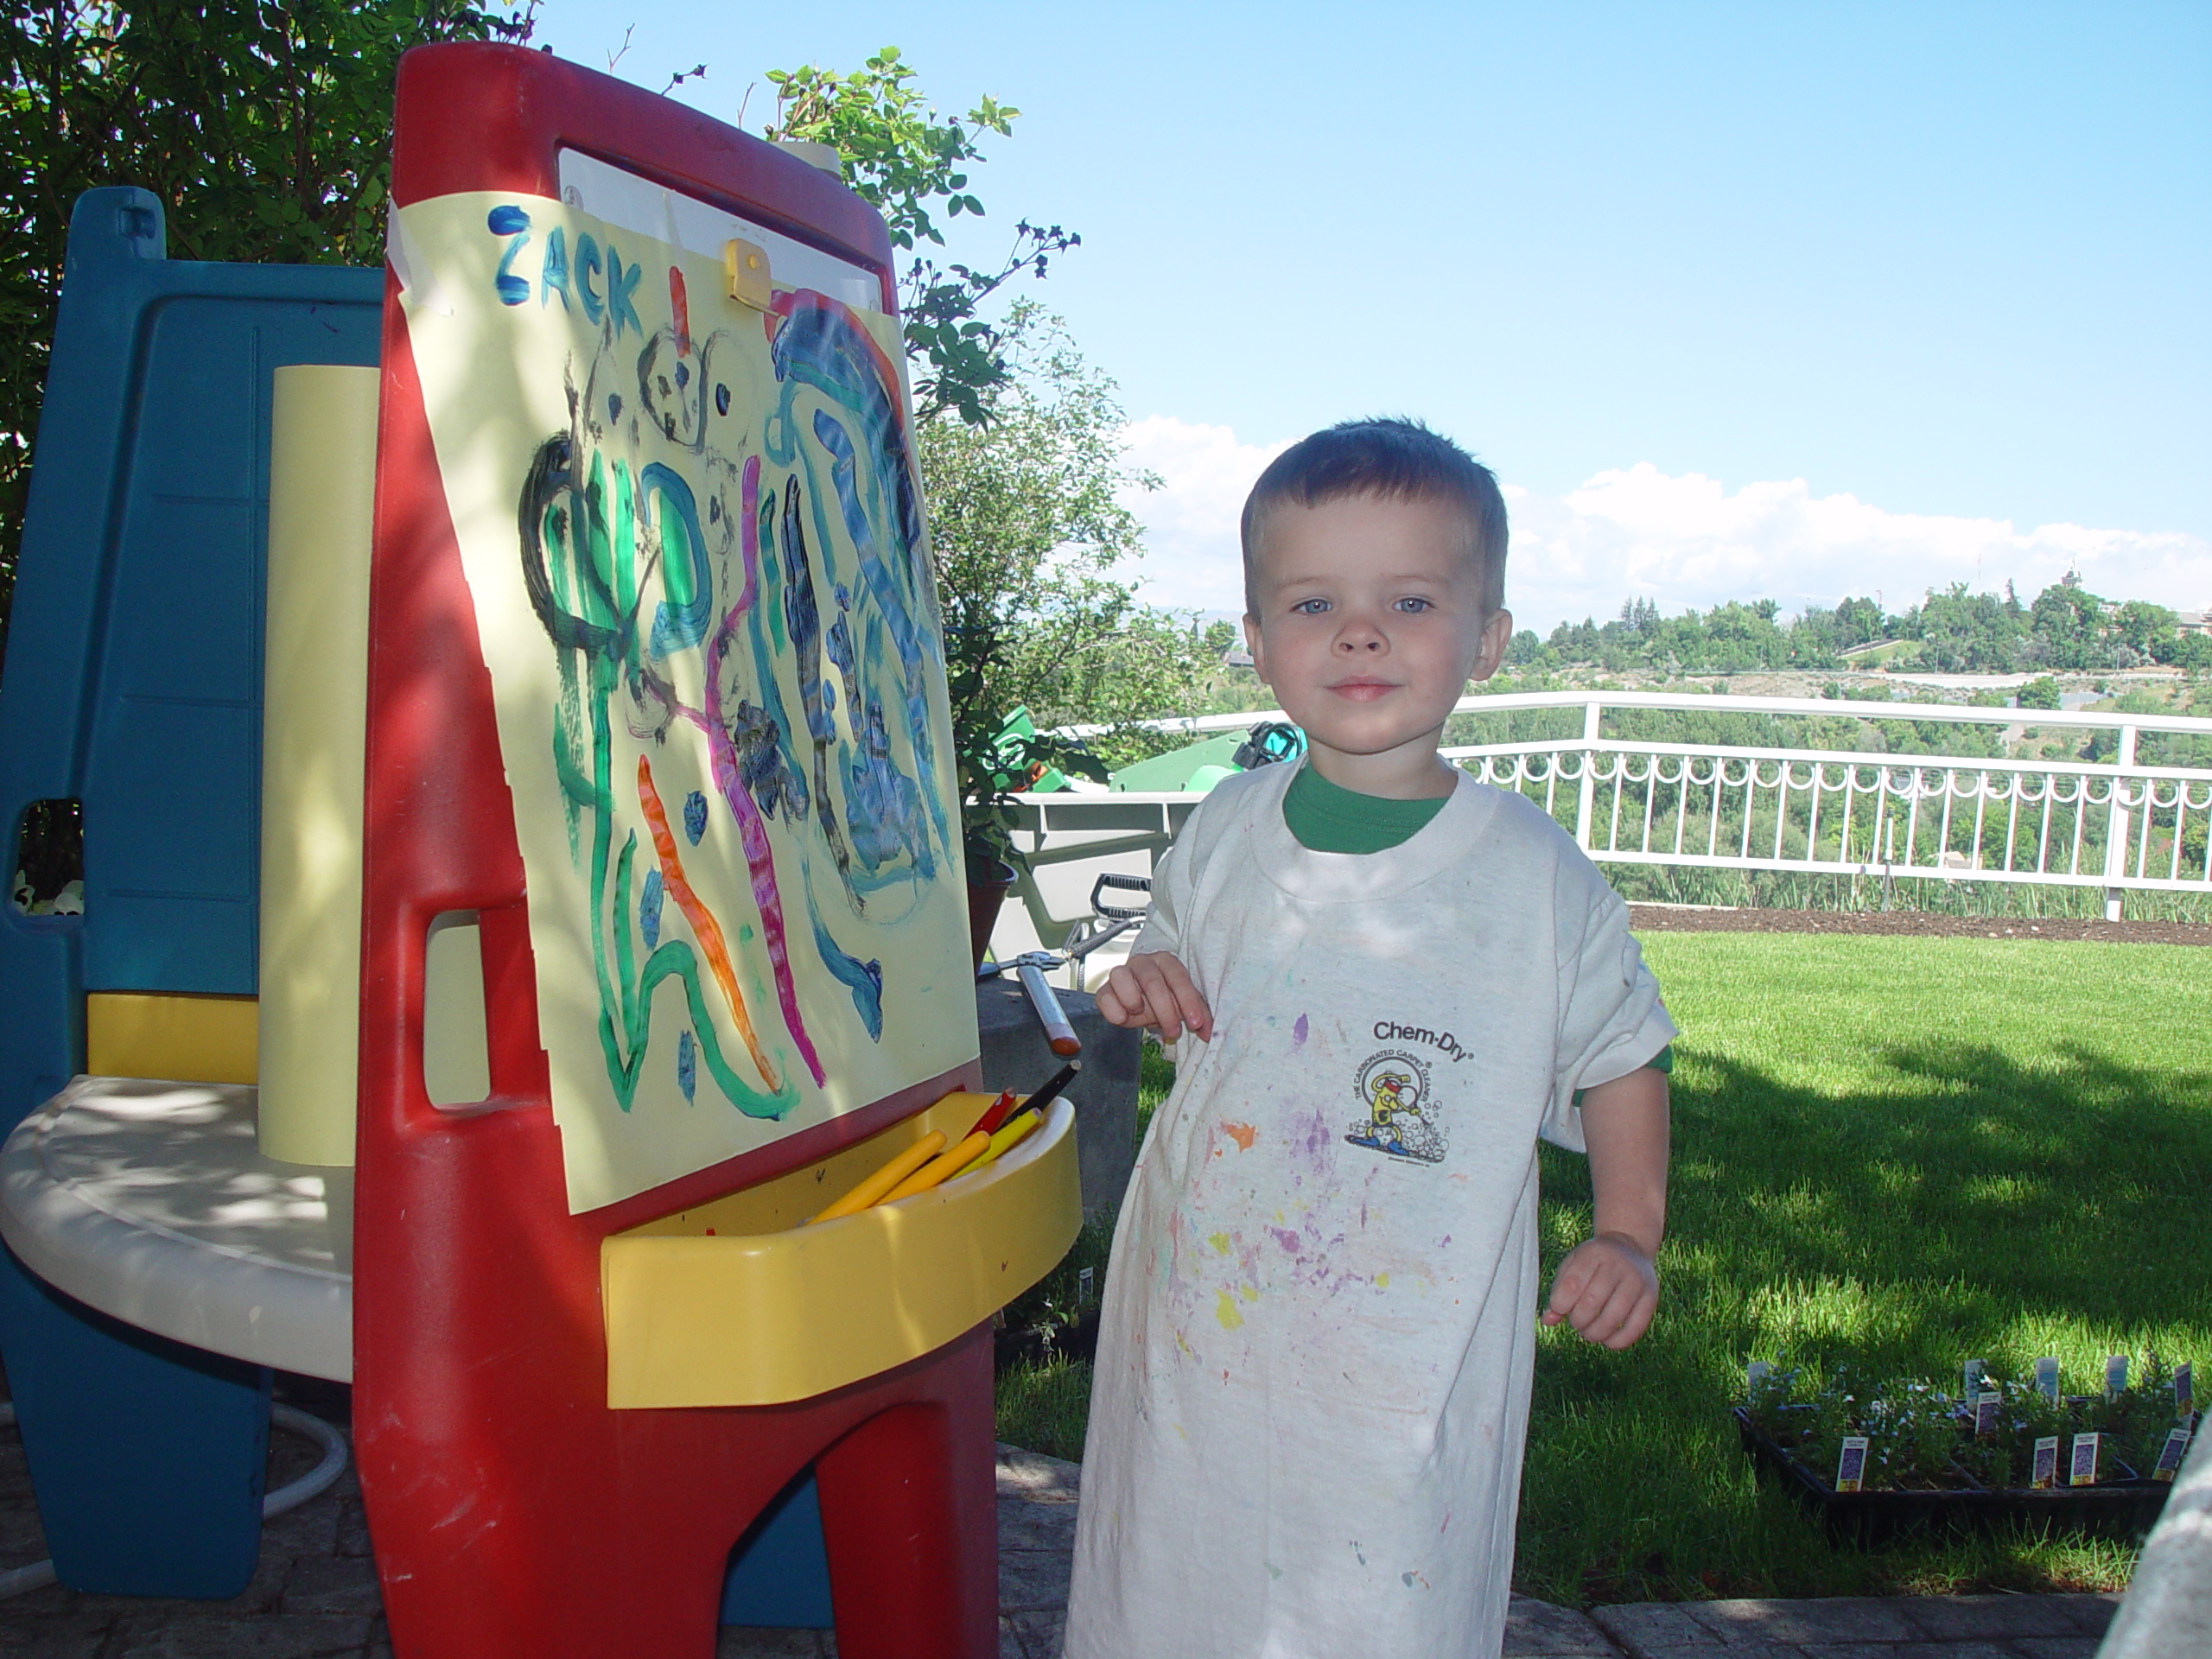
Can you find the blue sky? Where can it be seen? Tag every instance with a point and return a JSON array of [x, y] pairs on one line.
[[1784, 299]]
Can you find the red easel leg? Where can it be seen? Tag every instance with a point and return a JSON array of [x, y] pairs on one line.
[[910, 1522]]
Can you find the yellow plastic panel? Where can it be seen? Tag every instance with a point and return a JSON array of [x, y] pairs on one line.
[[736, 1304], [171, 1035], [322, 486]]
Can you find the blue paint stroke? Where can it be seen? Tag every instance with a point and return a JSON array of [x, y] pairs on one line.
[[694, 815], [865, 978], [553, 275], [885, 809], [648, 909], [588, 266], [771, 764], [907, 638], [687, 1065], [803, 617], [622, 290], [685, 573], [509, 221], [839, 643], [822, 344]]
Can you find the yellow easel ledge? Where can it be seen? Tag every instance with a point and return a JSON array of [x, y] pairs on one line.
[[736, 1303]]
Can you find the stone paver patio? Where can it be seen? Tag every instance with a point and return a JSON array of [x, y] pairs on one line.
[[314, 1597]]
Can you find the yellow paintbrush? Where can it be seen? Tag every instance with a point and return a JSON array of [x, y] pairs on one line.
[[886, 1178]]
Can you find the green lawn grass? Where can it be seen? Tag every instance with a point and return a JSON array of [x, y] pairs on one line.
[[1905, 1151]]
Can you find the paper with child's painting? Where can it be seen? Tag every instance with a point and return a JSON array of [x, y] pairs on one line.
[[693, 534]]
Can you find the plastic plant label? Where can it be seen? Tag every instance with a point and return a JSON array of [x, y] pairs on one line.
[[2184, 1390], [2047, 1378], [2116, 1375], [1082, 1285], [1985, 1414], [2083, 1469], [1754, 1374], [2170, 1454], [2046, 1465], [1851, 1467], [1970, 1379]]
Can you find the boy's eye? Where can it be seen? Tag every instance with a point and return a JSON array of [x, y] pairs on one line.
[[1310, 608], [1415, 603]]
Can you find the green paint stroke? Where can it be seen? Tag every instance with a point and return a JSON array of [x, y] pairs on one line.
[[625, 987]]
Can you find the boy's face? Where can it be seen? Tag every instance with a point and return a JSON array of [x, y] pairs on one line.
[[1370, 625]]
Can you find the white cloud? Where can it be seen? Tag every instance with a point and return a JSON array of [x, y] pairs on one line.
[[1689, 540], [1191, 559], [1678, 541]]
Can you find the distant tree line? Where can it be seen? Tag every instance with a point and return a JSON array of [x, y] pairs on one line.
[[2066, 629]]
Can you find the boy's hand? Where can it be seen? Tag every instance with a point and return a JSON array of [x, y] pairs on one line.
[[1154, 990], [1607, 1289]]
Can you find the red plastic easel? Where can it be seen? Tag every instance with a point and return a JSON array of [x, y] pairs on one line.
[[512, 1512]]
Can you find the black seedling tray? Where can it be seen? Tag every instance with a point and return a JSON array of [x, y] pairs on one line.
[[2111, 1509]]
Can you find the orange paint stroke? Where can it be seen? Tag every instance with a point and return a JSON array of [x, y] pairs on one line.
[[1242, 1133], [704, 927]]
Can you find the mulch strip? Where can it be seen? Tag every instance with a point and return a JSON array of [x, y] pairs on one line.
[[1690, 919]]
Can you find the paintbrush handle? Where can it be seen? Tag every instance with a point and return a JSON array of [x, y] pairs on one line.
[[1059, 1034], [996, 1113], [1046, 1095], [942, 1167], [886, 1177], [1017, 1128]]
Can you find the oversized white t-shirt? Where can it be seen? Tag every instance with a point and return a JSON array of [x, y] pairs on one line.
[[1311, 1388]]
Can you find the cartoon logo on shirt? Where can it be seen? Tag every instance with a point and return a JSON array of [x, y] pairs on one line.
[[1401, 1120]]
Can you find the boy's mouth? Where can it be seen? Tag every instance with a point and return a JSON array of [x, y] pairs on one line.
[[1360, 689]]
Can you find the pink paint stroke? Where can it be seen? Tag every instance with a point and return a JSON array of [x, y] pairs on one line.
[[752, 832]]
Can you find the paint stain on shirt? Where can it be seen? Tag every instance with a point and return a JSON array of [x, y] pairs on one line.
[[1243, 1133], [1227, 1314], [1298, 1033], [1220, 1241]]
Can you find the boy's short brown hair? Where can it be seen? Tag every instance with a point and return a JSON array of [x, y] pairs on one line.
[[1400, 458]]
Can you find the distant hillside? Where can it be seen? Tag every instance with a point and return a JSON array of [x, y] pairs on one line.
[[2067, 629]]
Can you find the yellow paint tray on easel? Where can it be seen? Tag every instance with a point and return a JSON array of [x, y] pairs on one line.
[[739, 1303]]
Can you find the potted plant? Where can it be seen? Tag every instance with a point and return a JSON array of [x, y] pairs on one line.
[[996, 756], [1873, 1456]]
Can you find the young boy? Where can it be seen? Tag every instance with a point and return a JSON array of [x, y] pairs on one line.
[[1311, 1388]]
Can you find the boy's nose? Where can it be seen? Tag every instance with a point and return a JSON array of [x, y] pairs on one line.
[[1357, 631]]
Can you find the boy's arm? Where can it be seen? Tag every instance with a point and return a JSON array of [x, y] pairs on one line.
[[1607, 1288]]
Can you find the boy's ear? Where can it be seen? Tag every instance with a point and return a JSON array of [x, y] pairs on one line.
[[1252, 644], [1498, 635]]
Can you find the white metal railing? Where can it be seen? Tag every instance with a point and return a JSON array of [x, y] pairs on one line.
[[2113, 823]]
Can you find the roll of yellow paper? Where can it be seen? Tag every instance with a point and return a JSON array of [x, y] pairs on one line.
[[886, 1178], [315, 714]]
